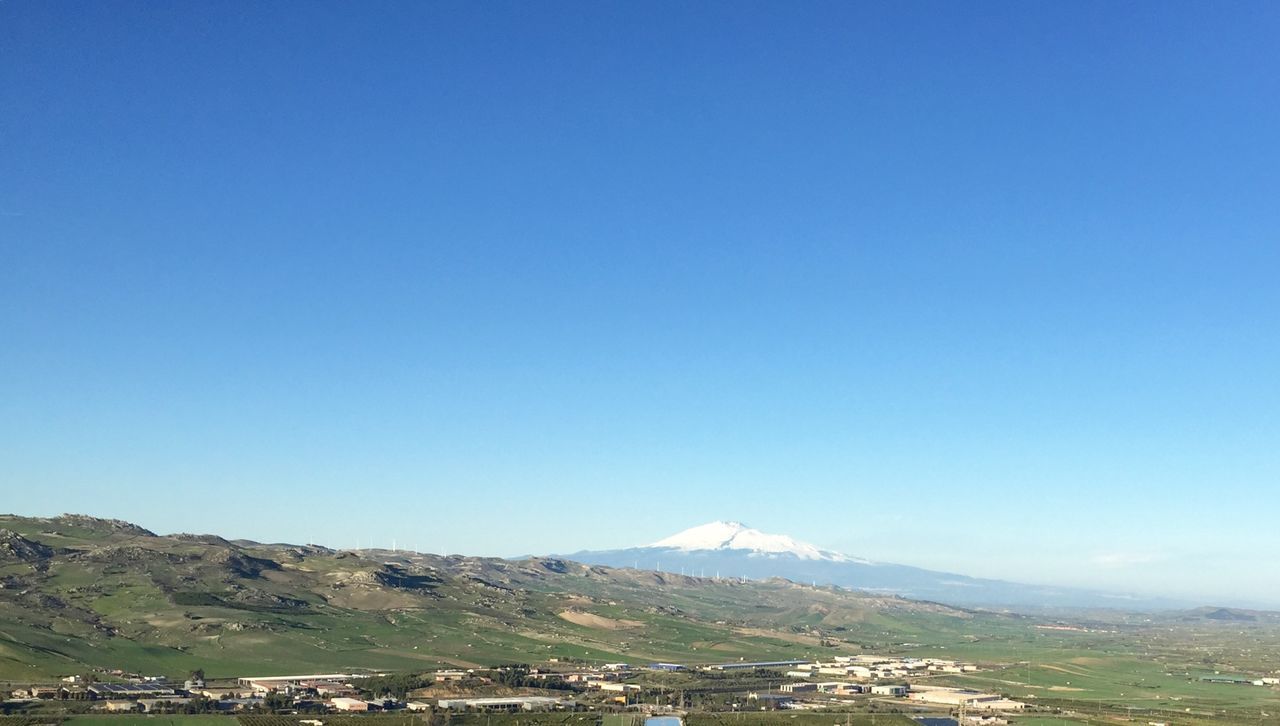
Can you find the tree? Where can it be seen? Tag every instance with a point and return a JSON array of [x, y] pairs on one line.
[[277, 701]]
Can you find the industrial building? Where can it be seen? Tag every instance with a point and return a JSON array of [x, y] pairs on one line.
[[349, 705], [772, 699], [109, 691], [841, 688], [961, 697], [264, 684], [753, 666], [520, 703], [150, 705]]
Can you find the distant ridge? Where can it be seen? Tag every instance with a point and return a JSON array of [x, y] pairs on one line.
[[733, 549], [173, 603]]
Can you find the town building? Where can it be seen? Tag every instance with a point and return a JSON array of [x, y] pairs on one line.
[[840, 688], [152, 705], [774, 700], [264, 684], [753, 666], [116, 691], [614, 687], [349, 705], [520, 703]]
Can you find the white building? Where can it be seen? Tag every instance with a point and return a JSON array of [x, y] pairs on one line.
[[614, 687], [264, 684], [521, 703], [350, 705]]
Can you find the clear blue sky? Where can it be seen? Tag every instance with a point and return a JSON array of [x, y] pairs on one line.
[[989, 287]]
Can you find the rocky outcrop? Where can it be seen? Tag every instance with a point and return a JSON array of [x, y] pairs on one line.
[[103, 525], [16, 548]]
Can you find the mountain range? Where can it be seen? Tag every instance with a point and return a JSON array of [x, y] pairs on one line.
[[734, 550], [79, 593]]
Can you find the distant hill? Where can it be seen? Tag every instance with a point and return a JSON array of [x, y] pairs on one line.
[[78, 593], [731, 549], [1231, 615]]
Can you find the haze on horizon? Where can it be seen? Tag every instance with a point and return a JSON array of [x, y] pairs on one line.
[[985, 290]]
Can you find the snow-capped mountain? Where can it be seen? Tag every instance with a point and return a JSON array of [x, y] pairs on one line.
[[738, 536], [732, 549]]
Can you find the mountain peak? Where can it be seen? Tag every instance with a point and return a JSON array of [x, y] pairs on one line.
[[722, 535]]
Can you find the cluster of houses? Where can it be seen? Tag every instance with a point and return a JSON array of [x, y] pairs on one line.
[[141, 693], [341, 696], [929, 695], [336, 692], [1241, 680], [963, 698], [871, 667], [864, 675], [155, 694], [854, 675], [812, 684]]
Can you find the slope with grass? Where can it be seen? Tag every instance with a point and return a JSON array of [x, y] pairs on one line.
[[80, 593]]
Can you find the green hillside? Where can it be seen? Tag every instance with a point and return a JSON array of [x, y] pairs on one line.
[[79, 593]]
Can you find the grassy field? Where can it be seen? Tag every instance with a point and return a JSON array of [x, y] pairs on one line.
[[140, 720], [29, 720], [784, 718], [1085, 679]]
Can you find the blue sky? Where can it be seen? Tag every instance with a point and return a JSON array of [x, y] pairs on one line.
[[988, 287]]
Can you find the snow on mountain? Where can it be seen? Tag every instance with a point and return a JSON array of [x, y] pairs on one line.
[[737, 551], [738, 536]]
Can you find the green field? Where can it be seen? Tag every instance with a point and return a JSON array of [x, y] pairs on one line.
[[29, 720], [139, 720], [783, 718]]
